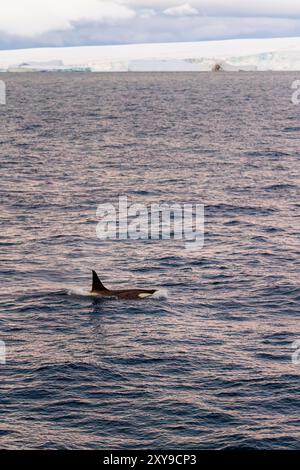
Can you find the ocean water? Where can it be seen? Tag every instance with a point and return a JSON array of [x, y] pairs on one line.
[[206, 364]]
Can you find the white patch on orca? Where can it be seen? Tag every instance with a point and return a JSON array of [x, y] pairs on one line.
[[143, 295]]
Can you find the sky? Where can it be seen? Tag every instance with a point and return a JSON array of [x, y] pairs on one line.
[[55, 23]]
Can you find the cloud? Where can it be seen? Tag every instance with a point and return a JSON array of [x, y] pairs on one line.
[[181, 10], [232, 8], [147, 13], [41, 23], [32, 17], [158, 29]]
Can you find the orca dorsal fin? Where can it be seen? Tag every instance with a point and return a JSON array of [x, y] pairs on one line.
[[97, 285]]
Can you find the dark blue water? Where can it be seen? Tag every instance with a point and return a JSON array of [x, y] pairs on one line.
[[207, 366]]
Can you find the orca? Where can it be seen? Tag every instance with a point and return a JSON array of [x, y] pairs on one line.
[[99, 290]]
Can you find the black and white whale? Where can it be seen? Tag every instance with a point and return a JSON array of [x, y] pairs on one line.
[[99, 290]]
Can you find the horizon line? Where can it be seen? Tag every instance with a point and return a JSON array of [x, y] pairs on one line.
[[153, 43]]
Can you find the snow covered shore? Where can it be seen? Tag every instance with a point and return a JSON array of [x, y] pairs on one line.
[[239, 54]]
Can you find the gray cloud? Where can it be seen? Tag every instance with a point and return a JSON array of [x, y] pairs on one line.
[[237, 8], [152, 22]]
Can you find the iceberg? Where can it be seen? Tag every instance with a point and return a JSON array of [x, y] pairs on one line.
[[280, 54]]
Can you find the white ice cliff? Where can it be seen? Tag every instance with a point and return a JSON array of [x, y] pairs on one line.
[[239, 54]]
